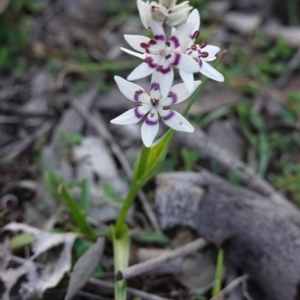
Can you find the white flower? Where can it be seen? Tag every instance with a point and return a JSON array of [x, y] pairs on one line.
[[151, 106], [202, 53], [160, 54], [164, 12]]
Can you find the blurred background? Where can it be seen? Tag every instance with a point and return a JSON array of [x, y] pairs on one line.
[[58, 57]]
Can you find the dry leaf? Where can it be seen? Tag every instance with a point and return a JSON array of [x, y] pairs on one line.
[[50, 268], [84, 268]]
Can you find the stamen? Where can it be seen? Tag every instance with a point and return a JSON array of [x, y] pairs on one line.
[[139, 104], [168, 56], [139, 91], [159, 68], [204, 54], [196, 34], [148, 60], [203, 44], [154, 102], [195, 59], [194, 47], [144, 45], [166, 107], [152, 41], [151, 115], [168, 44]]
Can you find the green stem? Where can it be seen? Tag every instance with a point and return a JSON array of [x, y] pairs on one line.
[[126, 206], [142, 163]]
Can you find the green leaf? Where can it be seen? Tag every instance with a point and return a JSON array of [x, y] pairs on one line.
[[215, 115], [21, 240], [151, 237], [156, 157], [85, 197], [78, 216], [53, 181], [219, 274], [121, 244]]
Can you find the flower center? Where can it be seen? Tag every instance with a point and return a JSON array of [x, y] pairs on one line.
[[154, 102], [163, 52]]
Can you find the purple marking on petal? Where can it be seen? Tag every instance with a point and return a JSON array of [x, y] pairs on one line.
[[150, 63], [159, 37], [162, 70], [137, 95], [169, 116], [173, 96], [175, 40], [137, 114], [151, 123], [154, 86], [176, 59]]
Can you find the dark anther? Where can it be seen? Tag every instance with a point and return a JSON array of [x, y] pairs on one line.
[[159, 68], [148, 60], [144, 45], [152, 41], [166, 107], [203, 44], [139, 91], [194, 47], [168, 44], [168, 56], [154, 102], [204, 54], [196, 34]]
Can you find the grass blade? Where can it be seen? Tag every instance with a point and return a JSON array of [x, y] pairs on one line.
[[77, 214]]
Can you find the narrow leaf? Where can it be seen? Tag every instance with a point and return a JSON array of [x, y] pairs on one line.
[[76, 213], [84, 268]]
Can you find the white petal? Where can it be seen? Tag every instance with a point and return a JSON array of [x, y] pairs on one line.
[[141, 71], [150, 128], [181, 37], [194, 18], [132, 116], [188, 79], [211, 72], [175, 120], [145, 13], [178, 93], [131, 90], [165, 76], [184, 62], [139, 55], [212, 51], [158, 33], [178, 18], [135, 41]]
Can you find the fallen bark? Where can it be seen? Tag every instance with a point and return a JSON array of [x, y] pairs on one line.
[[259, 235], [227, 164]]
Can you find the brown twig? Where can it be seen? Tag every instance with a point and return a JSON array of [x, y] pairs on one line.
[[156, 262], [16, 148], [110, 286], [230, 287]]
